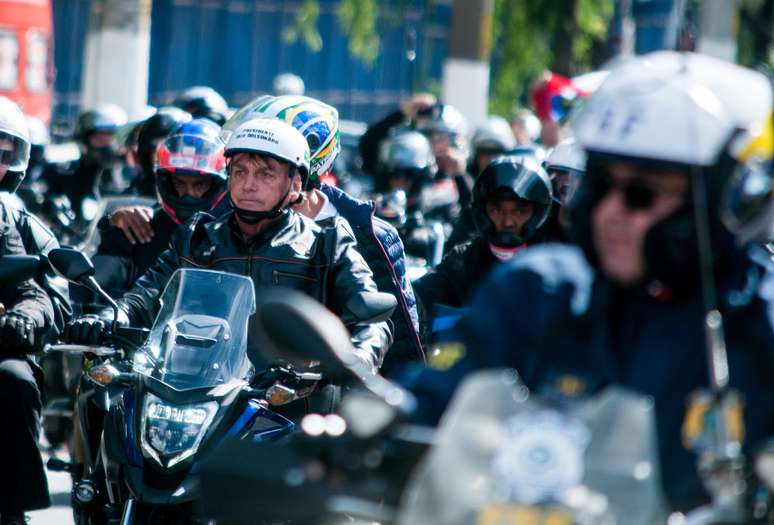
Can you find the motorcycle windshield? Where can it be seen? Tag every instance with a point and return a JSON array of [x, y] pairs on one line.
[[503, 455], [199, 337]]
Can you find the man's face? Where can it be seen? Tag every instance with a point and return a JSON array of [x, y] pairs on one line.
[[258, 182], [193, 185], [100, 139], [635, 201], [509, 214], [401, 180]]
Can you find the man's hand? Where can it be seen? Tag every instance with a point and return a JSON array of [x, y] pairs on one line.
[[451, 161], [417, 103], [134, 221], [17, 333], [86, 330]]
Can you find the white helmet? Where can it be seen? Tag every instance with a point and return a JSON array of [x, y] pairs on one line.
[[318, 123], [272, 137], [287, 84], [495, 134], [567, 156], [14, 129], [674, 107], [38, 132]]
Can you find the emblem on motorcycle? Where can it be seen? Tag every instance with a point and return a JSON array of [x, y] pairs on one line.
[[701, 419], [543, 455]]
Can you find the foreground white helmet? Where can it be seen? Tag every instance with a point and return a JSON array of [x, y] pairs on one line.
[[272, 137], [694, 114], [675, 107]]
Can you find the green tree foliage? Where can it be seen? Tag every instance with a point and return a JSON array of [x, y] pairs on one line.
[[305, 26], [530, 37], [357, 19], [756, 22]]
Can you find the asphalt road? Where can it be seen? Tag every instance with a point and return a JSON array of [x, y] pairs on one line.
[[59, 485]]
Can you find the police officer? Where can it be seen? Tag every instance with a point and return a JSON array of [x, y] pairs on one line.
[[265, 238], [26, 316], [626, 306]]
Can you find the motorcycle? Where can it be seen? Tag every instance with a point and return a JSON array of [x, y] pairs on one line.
[[501, 454], [153, 403]]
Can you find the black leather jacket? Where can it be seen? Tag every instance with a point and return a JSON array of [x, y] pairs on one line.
[[293, 252], [26, 297], [38, 239]]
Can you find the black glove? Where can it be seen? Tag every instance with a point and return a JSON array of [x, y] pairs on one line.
[[87, 330], [17, 333]]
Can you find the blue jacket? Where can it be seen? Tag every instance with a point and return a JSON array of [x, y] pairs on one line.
[[549, 316], [382, 248]]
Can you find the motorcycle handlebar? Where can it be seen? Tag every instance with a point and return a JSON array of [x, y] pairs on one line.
[[102, 351]]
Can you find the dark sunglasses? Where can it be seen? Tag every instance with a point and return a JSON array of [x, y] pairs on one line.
[[637, 195]]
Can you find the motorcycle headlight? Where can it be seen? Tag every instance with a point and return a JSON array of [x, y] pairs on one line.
[[172, 433]]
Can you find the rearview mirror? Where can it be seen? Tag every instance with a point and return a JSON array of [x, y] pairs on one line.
[[17, 268], [71, 264], [293, 327]]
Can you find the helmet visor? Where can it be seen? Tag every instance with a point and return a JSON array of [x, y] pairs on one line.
[[14, 152], [192, 154]]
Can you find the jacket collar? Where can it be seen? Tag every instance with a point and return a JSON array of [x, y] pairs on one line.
[[356, 212]]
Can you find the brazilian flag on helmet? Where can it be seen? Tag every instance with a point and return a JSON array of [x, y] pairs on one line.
[[318, 123]]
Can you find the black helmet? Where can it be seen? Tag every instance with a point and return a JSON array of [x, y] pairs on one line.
[[519, 177], [203, 102], [107, 117], [409, 154], [155, 128]]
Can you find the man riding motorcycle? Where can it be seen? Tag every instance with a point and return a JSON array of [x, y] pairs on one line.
[[190, 177], [566, 165], [377, 241], [94, 133], [151, 133], [627, 306], [511, 202], [26, 316], [264, 238]]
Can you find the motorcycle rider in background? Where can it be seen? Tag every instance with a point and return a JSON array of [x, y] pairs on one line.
[[626, 306], [94, 132], [492, 139], [511, 202], [152, 131], [190, 177], [203, 102], [26, 317], [265, 239], [566, 165]]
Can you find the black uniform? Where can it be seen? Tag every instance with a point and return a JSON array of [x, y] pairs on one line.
[[452, 282]]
